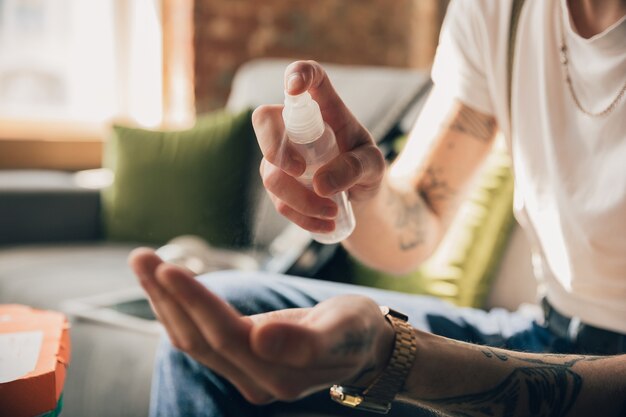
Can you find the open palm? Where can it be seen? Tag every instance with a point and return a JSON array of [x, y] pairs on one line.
[[281, 355]]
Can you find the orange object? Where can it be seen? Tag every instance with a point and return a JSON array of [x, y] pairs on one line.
[[40, 338]]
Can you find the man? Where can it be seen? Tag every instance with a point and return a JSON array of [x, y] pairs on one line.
[[566, 133]]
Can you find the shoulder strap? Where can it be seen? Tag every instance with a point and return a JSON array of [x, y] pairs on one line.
[[516, 10]]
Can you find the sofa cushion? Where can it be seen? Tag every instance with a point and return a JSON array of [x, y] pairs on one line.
[[46, 206], [171, 183]]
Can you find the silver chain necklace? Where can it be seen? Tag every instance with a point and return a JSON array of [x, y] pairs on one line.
[[570, 86]]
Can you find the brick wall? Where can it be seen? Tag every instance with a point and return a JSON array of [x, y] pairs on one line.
[[375, 32]]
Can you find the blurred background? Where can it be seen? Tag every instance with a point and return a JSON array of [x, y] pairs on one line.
[[127, 122], [69, 67]]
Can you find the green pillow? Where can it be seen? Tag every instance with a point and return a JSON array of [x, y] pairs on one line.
[[170, 183], [462, 268]]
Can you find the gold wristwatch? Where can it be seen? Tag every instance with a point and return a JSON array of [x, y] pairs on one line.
[[379, 395]]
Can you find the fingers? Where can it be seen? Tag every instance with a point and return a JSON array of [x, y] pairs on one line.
[[335, 332], [224, 331], [296, 358], [293, 343], [279, 355], [270, 132], [181, 330], [363, 167], [230, 334], [143, 262], [220, 324], [311, 224], [301, 76], [289, 314], [186, 336], [359, 168], [342, 339], [297, 203], [295, 195], [189, 310], [211, 331]]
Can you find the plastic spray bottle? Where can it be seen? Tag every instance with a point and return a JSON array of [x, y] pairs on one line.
[[316, 142]]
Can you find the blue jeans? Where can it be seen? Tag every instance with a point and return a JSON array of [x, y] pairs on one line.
[[183, 387]]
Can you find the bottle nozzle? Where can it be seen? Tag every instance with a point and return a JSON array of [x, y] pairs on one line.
[[303, 118], [298, 100]]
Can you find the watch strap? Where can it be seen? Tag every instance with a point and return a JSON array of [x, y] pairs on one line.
[[389, 383], [381, 393]]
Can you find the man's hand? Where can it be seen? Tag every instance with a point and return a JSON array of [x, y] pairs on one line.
[[282, 355], [359, 169]]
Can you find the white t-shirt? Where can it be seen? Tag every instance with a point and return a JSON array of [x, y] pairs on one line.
[[570, 169]]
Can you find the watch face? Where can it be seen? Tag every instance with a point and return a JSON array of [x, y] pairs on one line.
[[353, 398], [390, 311], [345, 396]]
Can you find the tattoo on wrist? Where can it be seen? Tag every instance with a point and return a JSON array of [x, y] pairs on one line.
[[409, 217], [474, 124], [354, 342]]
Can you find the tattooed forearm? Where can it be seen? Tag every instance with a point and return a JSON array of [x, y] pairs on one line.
[[544, 386], [474, 124], [408, 212], [567, 361], [546, 391]]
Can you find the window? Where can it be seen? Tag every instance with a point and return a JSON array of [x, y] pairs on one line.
[[77, 60]]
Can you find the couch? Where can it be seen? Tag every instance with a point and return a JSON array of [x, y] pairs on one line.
[[54, 254]]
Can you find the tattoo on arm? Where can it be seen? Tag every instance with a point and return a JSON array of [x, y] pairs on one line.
[[354, 342], [408, 212], [474, 124], [546, 388], [550, 391], [490, 353], [434, 189]]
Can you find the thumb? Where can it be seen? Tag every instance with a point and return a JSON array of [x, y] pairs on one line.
[[286, 343], [301, 76], [363, 166]]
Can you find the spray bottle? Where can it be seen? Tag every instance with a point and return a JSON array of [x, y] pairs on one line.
[[316, 142]]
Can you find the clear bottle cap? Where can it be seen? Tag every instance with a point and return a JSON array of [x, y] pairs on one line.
[[303, 118]]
